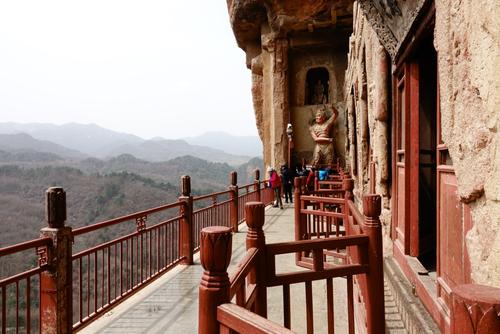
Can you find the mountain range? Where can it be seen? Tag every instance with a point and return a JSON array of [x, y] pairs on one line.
[[78, 141]]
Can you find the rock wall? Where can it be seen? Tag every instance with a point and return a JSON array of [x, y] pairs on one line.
[[467, 38], [366, 100]]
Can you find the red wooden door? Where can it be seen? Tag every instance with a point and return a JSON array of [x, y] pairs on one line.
[[453, 222], [401, 228], [406, 136]]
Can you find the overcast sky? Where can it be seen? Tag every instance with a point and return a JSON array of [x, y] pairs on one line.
[[153, 68]]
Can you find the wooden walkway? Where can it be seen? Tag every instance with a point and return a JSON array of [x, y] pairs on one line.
[[170, 304]]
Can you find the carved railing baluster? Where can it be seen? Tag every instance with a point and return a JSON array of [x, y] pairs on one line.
[[56, 303], [233, 211], [186, 226], [254, 212], [215, 256]]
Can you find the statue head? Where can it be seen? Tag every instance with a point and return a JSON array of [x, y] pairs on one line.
[[320, 115]]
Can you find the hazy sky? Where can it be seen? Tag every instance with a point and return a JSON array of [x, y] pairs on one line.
[[153, 68]]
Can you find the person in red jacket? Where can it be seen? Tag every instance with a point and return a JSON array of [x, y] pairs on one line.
[[275, 184]]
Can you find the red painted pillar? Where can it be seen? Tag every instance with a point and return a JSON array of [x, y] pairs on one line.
[[233, 211], [254, 212], [257, 185], [215, 256], [375, 278], [298, 218], [348, 187], [475, 309], [56, 297], [186, 226]]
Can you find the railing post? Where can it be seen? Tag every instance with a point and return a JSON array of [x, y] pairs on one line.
[[375, 277], [475, 309], [257, 185], [297, 183], [348, 187], [254, 212], [215, 255], [56, 297], [233, 211], [186, 228]]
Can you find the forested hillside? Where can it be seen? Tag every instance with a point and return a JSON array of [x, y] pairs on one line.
[[90, 198], [99, 190]]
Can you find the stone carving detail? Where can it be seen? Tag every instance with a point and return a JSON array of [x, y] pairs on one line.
[[140, 222], [378, 24]]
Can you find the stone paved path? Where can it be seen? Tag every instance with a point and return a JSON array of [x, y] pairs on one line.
[[170, 304]]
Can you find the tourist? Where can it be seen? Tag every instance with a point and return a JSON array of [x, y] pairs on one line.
[[275, 184], [287, 178]]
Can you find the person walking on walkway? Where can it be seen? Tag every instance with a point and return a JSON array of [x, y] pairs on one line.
[[287, 178], [275, 184]]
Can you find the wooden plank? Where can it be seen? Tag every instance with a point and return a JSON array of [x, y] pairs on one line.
[[309, 245], [413, 159], [319, 213], [243, 321], [248, 262], [307, 275], [309, 307], [286, 306], [330, 306]]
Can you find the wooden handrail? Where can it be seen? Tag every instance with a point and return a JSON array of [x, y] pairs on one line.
[[239, 319], [244, 267], [308, 245], [258, 271], [130, 260]]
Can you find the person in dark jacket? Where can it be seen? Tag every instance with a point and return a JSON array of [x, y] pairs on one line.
[[287, 178]]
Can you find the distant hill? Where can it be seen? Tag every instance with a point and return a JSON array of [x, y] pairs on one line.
[[166, 149], [239, 145], [29, 156], [204, 174], [99, 142], [20, 142], [87, 138]]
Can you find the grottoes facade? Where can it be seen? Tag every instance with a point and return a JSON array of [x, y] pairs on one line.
[[416, 85]]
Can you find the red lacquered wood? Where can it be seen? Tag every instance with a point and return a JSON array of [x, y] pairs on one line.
[[257, 185], [375, 278], [215, 256], [233, 195], [286, 306], [254, 212], [309, 308], [350, 305], [56, 302], [186, 226], [475, 309], [330, 306], [243, 321]]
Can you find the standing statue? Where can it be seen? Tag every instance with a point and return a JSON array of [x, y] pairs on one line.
[[320, 132], [319, 93]]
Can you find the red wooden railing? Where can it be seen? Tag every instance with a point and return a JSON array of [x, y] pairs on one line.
[[73, 283], [329, 211], [111, 271], [239, 303], [23, 288]]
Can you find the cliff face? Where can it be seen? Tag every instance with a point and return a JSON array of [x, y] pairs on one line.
[[467, 38], [283, 41]]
